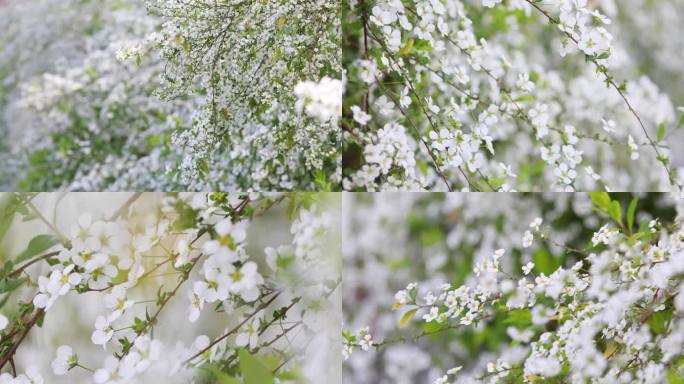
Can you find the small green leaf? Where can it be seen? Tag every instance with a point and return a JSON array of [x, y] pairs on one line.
[[253, 371], [631, 210], [601, 199], [545, 262], [611, 349], [659, 321], [520, 318], [661, 132], [280, 23], [11, 284], [222, 378], [615, 211], [407, 48], [407, 317], [37, 245], [524, 98]]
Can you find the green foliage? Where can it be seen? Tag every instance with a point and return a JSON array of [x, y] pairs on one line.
[[631, 211], [406, 317], [37, 245], [253, 370], [221, 377], [661, 132], [545, 262], [604, 204], [659, 321]]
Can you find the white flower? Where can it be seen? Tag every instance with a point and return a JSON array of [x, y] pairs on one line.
[[184, 249], [196, 302], [528, 239], [608, 125], [31, 376], [228, 238], [507, 169], [216, 285], [591, 173], [140, 358], [536, 224], [322, 100], [116, 300], [245, 281], [527, 268], [490, 3], [566, 174], [405, 99], [279, 258], [250, 333], [64, 361], [101, 270], [3, 322], [103, 331], [402, 297], [360, 116], [58, 284], [633, 149], [108, 374], [365, 339]]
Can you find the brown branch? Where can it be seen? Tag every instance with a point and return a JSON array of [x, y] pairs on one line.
[[7, 356], [234, 329]]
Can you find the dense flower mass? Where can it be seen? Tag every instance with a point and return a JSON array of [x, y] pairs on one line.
[[170, 95], [172, 286], [575, 296], [499, 95]]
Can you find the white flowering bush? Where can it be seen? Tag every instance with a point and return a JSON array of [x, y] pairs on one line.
[[536, 288], [228, 288], [160, 95], [497, 95]]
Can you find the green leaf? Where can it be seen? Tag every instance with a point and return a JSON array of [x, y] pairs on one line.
[[292, 375], [37, 245], [615, 211], [544, 262], [659, 321], [601, 199], [524, 98], [8, 209], [222, 378], [661, 132], [11, 284], [520, 318], [631, 211], [611, 349], [675, 374], [253, 371], [673, 377], [407, 317], [407, 48]]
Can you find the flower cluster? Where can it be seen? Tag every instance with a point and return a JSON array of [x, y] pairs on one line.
[[162, 95], [247, 60], [259, 308], [609, 310], [472, 105]]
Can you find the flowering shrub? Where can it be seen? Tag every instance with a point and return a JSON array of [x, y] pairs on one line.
[[171, 286], [505, 95], [160, 95], [554, 288]]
